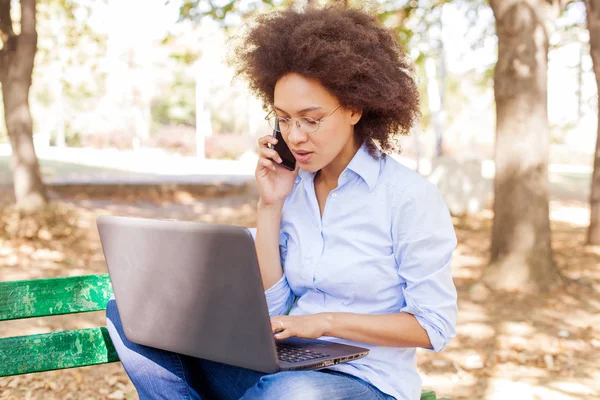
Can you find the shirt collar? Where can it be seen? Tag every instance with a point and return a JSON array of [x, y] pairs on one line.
[[361, 164], [365, 166]]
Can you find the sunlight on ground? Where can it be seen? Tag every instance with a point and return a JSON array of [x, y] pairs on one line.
[[502, 389], [575, 213]]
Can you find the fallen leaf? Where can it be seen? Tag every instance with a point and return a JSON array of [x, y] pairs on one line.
[[112, 381], [50, 385], [117, 395], [549, 361], [440, 363], [14, 382], [474, 362]]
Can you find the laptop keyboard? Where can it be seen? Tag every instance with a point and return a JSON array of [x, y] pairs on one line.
[[296, 354]]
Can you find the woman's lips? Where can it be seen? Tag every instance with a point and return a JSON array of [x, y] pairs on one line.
[[302, 156]]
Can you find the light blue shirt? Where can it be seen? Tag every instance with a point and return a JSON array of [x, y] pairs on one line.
[[383, 245]]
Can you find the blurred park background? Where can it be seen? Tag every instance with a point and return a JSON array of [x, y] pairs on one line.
[[128, 107]]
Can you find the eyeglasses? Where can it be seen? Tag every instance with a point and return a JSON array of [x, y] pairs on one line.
[[305, 124]]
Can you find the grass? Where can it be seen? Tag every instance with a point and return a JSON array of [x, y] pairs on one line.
[[52, 169]]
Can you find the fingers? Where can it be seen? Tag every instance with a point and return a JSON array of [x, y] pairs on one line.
[[267, 154], [283, 334], [266, 163], [266, 140], [277, 325], [270, 154], [279, 328]]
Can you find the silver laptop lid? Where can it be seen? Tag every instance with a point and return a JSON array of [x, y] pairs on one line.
[[190, 287]]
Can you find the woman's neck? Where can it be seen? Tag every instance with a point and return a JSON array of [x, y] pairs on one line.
[[330, 174]]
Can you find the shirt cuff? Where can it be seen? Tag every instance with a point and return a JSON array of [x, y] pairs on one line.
[[438, 342], [437, 339], [252, 232]]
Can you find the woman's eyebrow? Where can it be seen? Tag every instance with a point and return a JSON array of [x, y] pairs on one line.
[[305, 110]]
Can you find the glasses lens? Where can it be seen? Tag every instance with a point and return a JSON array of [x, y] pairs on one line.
[[284, 124], [309, 125]]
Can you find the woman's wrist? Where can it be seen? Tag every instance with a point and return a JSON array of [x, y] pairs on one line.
[[269, 206], [327, 323]]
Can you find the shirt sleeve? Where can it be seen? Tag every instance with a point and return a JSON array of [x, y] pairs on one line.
[[424, 239], [279, 296]]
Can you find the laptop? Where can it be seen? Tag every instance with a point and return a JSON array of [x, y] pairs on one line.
[[195, 288]]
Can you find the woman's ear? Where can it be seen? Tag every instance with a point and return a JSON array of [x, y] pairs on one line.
[[355, 115]]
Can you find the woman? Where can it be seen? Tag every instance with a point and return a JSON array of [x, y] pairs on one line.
[[356, 244]]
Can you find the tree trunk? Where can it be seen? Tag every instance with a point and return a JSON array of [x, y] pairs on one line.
[[593, 19], [15, 75], [521, 256]]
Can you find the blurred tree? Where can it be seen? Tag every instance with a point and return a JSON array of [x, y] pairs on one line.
[[593, 22], [521, 252], [67, 74], [16, 68]]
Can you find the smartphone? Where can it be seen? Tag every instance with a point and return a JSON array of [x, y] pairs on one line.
[[287, 157]]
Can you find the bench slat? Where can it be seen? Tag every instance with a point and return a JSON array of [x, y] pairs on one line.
[[57, 350], [427, 395], [54, 296]]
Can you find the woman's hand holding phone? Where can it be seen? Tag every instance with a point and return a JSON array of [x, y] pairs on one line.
[[275, 182]]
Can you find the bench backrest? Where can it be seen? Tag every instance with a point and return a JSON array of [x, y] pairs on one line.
[[57, 350]]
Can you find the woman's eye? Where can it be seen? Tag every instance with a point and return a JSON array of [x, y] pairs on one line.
[[311, 122]]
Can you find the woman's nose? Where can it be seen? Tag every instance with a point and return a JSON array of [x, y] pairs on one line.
[[296, 135]]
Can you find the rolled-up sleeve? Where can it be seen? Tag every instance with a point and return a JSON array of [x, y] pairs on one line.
[[424, 240], [279, 296]]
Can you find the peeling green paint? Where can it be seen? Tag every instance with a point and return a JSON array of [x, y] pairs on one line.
[[43, 297], [57, 350], [78, 346]]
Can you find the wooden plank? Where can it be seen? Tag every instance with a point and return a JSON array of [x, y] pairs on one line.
[[427, 395], [57, 350], [54, 296]]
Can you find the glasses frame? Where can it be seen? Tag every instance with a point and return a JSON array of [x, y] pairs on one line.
[[268, 118]]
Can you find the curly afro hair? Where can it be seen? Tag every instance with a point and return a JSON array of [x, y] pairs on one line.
[[348, 52]]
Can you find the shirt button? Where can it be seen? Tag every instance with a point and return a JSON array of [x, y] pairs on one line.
[[334, 195]]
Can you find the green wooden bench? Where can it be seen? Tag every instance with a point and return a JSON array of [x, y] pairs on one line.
[[65, 349]]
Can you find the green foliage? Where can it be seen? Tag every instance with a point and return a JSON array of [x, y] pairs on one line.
[[178, 107], [67, 72], [195, 10], [187, 57]]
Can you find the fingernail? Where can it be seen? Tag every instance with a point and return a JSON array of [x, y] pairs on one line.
[[280, 160]]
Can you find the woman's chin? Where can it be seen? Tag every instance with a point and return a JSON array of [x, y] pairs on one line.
[[308, 166]]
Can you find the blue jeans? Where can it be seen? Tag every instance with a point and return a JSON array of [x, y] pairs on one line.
[[160, 374]]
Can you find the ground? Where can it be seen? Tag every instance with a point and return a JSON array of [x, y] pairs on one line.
[[508, 345]]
